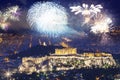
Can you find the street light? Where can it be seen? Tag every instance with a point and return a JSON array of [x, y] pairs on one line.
[[8, 75]]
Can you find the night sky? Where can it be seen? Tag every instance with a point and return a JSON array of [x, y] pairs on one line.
[[112, 7]]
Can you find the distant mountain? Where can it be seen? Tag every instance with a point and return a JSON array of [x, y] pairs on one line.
[[35, 51]]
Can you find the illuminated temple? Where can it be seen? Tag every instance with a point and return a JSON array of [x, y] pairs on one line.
[[65, 51], [73, 51], [66, 59]]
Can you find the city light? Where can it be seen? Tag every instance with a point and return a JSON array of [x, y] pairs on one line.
[[8, 75]]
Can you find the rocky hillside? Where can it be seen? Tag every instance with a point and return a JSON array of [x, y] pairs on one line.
[[66, 62]]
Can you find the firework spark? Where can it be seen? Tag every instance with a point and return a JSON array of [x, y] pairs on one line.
[[105, 39], [101, 24], [12, 13], [86, 10], [48, 18], [66, 39], [4, 25]]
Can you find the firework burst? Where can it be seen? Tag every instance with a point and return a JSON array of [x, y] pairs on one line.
[[48, 18], [12, 13], [101, 24], [85, 10]]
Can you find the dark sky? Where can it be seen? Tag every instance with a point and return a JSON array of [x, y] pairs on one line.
[[112, 7]]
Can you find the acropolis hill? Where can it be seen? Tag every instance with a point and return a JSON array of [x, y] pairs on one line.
[[66, 59]]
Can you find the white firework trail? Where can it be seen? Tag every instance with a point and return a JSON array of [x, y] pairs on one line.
[[48, 18], [12, 13], [105, 39], [101, 24], [86, 10]]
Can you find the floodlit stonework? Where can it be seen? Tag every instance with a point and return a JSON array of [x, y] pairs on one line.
[[66, 62], [65, 51]]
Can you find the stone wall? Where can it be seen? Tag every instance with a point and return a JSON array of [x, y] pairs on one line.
[[49, 63]]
